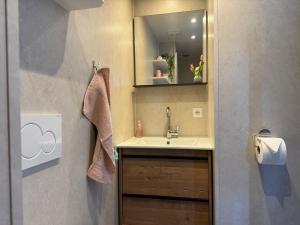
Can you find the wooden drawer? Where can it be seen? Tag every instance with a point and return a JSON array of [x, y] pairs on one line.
[[146, 211], [185, 178], [170, 153]]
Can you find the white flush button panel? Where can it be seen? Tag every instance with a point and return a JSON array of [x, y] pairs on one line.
[[41, 138], [197, 112]]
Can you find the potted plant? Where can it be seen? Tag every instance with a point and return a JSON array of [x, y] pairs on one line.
[[171, 64], [197, 71]]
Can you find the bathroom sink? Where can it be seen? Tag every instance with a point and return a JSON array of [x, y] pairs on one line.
[[183, 141], [162, 142], [152, 141]]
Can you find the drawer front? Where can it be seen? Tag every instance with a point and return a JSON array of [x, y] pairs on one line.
[[144, 211], [186, 178], [171, 153]]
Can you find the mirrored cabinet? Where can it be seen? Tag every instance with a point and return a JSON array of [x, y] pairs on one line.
[[171, 49]]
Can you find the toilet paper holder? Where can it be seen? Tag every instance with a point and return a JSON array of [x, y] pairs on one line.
[[264, 133], [261, 133], [269, 150]]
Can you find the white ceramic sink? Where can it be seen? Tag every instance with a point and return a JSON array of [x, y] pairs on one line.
[[152, 141], [162, 142]]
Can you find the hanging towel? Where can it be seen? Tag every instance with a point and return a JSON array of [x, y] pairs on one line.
[[96, 108]]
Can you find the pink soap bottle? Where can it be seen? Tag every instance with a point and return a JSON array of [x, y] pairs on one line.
[[139, 129]]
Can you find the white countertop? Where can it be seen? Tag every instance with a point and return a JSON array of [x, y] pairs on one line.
[[196, 143]]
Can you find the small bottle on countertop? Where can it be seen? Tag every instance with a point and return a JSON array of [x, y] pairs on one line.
[[139, 129]]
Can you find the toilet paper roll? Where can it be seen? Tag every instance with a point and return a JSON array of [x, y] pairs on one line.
[[271, 151]]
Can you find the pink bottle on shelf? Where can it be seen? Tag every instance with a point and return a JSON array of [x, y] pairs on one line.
[[139, 129]]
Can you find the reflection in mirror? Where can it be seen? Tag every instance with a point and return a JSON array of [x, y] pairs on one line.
[[170, 48]]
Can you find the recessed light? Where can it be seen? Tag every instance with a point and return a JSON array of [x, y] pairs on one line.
[[193, 20], [193, 37]]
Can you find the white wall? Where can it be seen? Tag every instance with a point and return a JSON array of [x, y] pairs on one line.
[[151, 106]]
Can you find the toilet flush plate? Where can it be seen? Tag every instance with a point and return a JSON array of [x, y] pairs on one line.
[[41, 139]]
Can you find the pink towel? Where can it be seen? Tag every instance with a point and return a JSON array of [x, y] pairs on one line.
[[97, 110]]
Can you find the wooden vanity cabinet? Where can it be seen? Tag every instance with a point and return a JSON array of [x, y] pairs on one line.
[[165, 187]]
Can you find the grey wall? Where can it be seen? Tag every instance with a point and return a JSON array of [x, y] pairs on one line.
[[259, 78], [57, 49]]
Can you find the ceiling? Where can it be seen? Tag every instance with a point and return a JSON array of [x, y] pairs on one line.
[[178, 26]]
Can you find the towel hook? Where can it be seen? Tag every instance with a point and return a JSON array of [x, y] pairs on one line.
[[97, 66]]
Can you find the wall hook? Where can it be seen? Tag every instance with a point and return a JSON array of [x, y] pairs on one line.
[[96, 66]]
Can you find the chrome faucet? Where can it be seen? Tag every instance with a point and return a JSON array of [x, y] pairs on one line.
[[171, 133]]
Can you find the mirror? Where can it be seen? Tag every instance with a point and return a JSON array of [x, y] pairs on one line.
[[170, 49]]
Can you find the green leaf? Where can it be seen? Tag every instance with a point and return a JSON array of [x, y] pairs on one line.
[[197, 71]]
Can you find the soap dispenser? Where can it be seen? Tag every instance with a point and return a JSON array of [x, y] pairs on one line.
[[139, 129]]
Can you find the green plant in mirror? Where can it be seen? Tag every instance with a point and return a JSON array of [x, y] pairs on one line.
[[171, 64], [197, 71]]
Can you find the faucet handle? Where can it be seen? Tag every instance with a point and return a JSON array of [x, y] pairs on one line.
[[169, 134]]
